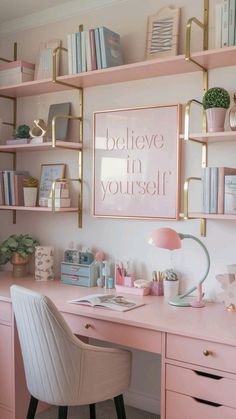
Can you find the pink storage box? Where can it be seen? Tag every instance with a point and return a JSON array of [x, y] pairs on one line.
[[16, 72], [133, 290]]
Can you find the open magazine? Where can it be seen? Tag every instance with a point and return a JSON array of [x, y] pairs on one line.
[[109, 301]]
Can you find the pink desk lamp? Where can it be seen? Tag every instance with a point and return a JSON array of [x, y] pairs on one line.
[[166, 238]]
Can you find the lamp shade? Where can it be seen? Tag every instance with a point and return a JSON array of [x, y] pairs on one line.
[[165, 238]]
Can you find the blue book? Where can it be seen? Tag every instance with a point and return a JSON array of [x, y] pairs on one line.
[[98, 48], [78, 53], [110, 48]]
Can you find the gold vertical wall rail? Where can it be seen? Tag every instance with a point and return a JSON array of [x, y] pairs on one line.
[[204, 26], [80, 118]]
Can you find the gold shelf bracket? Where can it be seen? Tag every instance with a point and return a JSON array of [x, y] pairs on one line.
[[186, 205]]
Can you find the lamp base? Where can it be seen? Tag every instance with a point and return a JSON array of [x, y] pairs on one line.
[[180, 302]]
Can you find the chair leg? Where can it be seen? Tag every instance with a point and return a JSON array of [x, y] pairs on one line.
[[120, 407], [92, 410], [62, 412], [32, 408]]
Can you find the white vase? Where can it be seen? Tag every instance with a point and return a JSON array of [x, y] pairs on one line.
[[171, 288], [30, 197], [215, 119]]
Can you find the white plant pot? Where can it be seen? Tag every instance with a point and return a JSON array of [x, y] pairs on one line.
[[171, 288], [30, 197]]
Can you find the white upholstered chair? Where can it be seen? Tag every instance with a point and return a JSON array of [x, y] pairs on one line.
[[59, 368]]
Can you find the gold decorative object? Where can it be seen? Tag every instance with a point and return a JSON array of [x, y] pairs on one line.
[[39, 130], [232, 115]]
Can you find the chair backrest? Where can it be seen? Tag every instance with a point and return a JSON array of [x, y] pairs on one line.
[[51, 353]]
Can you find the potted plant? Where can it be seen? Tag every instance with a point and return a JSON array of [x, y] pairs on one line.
[[17, 249], [216, 101], [30, 188], [171, 283]]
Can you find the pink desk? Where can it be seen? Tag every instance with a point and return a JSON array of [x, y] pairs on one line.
[[198, 348]]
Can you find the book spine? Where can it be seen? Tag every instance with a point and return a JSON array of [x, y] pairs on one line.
[[83, 51], [214, 190], [231, 22], [221, 190], [6, 193], [78, 51], [225, 24], [93, 49], [73, 53], [88, 51], [2, 197], [103, 47], [98, 48], [218, 25], [206, 184], [9, 187], [69, 48], [11, 175], [18, 189]]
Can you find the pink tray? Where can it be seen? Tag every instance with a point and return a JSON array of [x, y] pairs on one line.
[[133, 290]]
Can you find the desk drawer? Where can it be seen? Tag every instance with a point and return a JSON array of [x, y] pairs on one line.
[[213, 388], [5, 312], [179, 406], [218, 356], [134, 337]]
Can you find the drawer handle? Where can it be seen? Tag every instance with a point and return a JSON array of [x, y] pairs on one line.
[[88, 326], [206, 352], [206, 402], [206, 374]]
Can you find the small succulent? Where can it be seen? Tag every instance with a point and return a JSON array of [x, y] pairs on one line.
[[216, 97], [22, 131], [169, 275], [30, 182]]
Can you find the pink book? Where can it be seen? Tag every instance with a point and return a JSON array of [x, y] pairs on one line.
[[93, 49], [18, 188], [222, 172]]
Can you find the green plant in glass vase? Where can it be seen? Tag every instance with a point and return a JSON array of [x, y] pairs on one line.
[[215, 102], [17, 249]]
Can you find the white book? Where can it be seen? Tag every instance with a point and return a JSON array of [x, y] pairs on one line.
[[218, 25], [98, 48], [231, 22], [73, 53], [225, 24], [69, 48], [214, 190], [107, 301]]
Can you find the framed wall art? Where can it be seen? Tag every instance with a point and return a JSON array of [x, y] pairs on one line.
[[163, 33], [49, 173], [136, 160]]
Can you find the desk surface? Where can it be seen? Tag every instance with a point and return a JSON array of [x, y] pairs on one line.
[[213, 322]]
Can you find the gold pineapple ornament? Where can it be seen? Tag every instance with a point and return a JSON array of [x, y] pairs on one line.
[[232, 115]]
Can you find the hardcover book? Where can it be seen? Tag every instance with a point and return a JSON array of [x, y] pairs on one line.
[[223, 171], [98, 48], [2, 197], [230, 194], [214, 190], [110, 48]]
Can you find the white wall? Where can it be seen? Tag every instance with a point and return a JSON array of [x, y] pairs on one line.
[[123, 239]]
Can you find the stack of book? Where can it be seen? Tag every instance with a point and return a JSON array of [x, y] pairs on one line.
[[11, 187], [219, 190], [225, 34], [93, 49], [16, 72]]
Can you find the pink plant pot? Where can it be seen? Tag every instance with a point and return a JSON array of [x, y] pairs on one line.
[[215, 119]]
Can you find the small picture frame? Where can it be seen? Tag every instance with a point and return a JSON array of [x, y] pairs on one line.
[[163, 33], [49, 173]]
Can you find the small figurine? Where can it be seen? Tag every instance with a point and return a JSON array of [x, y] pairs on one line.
[[39, 130]]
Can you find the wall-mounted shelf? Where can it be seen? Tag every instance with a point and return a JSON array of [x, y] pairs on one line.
[[212, 137], [47, 146], [210, 59], [38, 209]]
